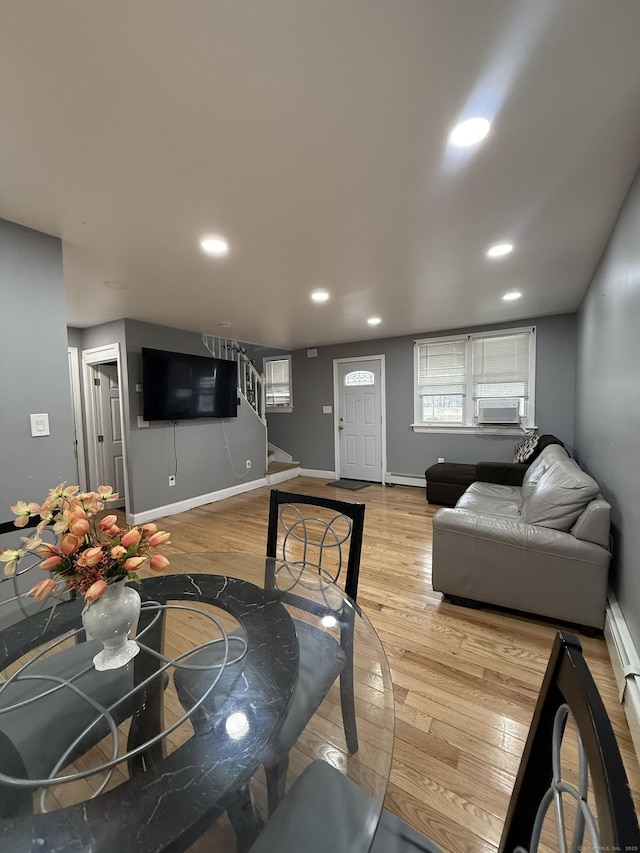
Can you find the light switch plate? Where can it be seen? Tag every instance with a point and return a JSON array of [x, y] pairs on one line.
[[40, 424], [327, 410]]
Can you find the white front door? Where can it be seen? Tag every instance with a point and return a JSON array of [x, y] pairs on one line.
[[359, 396]]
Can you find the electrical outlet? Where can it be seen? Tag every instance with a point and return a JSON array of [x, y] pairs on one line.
[[248, 463], [440, 458], [172, 480]]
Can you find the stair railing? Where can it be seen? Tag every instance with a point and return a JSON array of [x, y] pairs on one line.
[[250, 381]]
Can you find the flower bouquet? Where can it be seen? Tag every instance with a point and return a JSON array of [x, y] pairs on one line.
[[94, 557], [90, 554]]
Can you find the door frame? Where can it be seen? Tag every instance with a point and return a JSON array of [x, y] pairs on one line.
[[91, 358], [76, 405], [383, 407]]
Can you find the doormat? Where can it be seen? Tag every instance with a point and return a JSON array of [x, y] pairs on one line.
[[352, 485]]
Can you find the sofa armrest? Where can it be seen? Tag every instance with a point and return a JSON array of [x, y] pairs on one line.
[[502, 473], [520, 566]]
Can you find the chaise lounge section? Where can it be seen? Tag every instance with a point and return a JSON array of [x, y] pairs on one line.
[[448, 481], [541, 548]]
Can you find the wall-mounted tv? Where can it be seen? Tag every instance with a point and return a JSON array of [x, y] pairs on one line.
[[178, 387]]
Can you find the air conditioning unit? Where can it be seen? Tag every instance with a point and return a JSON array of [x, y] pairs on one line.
[[500, 411]]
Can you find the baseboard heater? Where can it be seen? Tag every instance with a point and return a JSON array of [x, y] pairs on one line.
[[626, 667]]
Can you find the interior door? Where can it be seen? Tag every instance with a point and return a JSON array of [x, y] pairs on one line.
[[110, 444], [360, 419]]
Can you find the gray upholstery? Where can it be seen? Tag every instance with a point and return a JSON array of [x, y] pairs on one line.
[[542, 548], [326, 811], [559, 496], [321, 661], [64, 714]]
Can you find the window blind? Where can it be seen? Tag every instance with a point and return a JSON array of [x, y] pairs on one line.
[[501, 366], [442, 367], [278, 382]]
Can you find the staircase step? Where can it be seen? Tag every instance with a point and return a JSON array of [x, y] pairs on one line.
[[275, 467]]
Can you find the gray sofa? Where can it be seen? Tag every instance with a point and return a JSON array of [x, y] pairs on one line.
[[542, 547]]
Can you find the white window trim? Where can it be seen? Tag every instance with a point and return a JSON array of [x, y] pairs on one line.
[[474, 428], [281, 409]]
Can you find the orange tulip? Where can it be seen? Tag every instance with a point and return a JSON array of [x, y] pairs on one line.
[[150, 528], [158, 563], [134, 563], [159, 538], [95, 591], [118, 552], [69, 543], [51, 563], [42, 589], [92, 556], [131, 538], [108, 522], [79, 527]]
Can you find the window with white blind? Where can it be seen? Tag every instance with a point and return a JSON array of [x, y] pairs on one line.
[[470, 380], [278, 391]]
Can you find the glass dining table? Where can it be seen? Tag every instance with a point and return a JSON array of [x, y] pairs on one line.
[[130, 760]]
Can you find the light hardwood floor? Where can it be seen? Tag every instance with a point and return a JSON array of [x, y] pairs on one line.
[[465, 681]]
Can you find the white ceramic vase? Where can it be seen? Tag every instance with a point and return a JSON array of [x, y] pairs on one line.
[[109, 619]]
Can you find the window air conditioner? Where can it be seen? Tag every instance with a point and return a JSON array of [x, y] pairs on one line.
[[500, 411]]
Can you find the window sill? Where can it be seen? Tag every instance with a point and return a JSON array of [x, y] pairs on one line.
[[485, 429], [271, 410]]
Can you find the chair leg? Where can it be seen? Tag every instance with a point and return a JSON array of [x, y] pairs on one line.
[[245, 820], [347, 700], [276, 775]]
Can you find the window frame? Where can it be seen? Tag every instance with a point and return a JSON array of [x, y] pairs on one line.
[[271, 408], [469, 423]]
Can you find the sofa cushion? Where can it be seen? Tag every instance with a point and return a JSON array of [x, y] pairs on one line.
[[491, 499], [554, 453], [560, 496]]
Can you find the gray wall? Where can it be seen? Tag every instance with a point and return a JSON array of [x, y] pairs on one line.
[[608, 398], [308, 434], [211, 454], [34, 374]]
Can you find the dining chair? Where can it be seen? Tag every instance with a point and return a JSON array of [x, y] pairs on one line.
[[75, 691], [323, 536], [586, 804]]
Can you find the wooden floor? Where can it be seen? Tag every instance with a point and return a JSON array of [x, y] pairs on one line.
[[465, 681]]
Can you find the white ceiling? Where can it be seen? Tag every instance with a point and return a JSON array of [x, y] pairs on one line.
[[312, 134]]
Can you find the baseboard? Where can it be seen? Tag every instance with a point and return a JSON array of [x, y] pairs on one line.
[[281, 476], [191, 503], [626, 666], [325, 475], [405, 480]]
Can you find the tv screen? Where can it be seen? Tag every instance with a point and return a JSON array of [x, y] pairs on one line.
[[177, 386]]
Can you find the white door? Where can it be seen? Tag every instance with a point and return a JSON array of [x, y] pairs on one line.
[[359, 423], [109, 423]]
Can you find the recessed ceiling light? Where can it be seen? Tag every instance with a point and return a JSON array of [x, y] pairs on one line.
[[469, 132], [374, 321], [320, 295], [500, 250], [215, 245], [512, 296]]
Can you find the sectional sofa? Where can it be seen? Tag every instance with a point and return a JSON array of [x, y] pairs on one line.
[[542, 547]]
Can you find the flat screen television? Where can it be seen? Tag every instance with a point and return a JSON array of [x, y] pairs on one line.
[[179, 387]]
